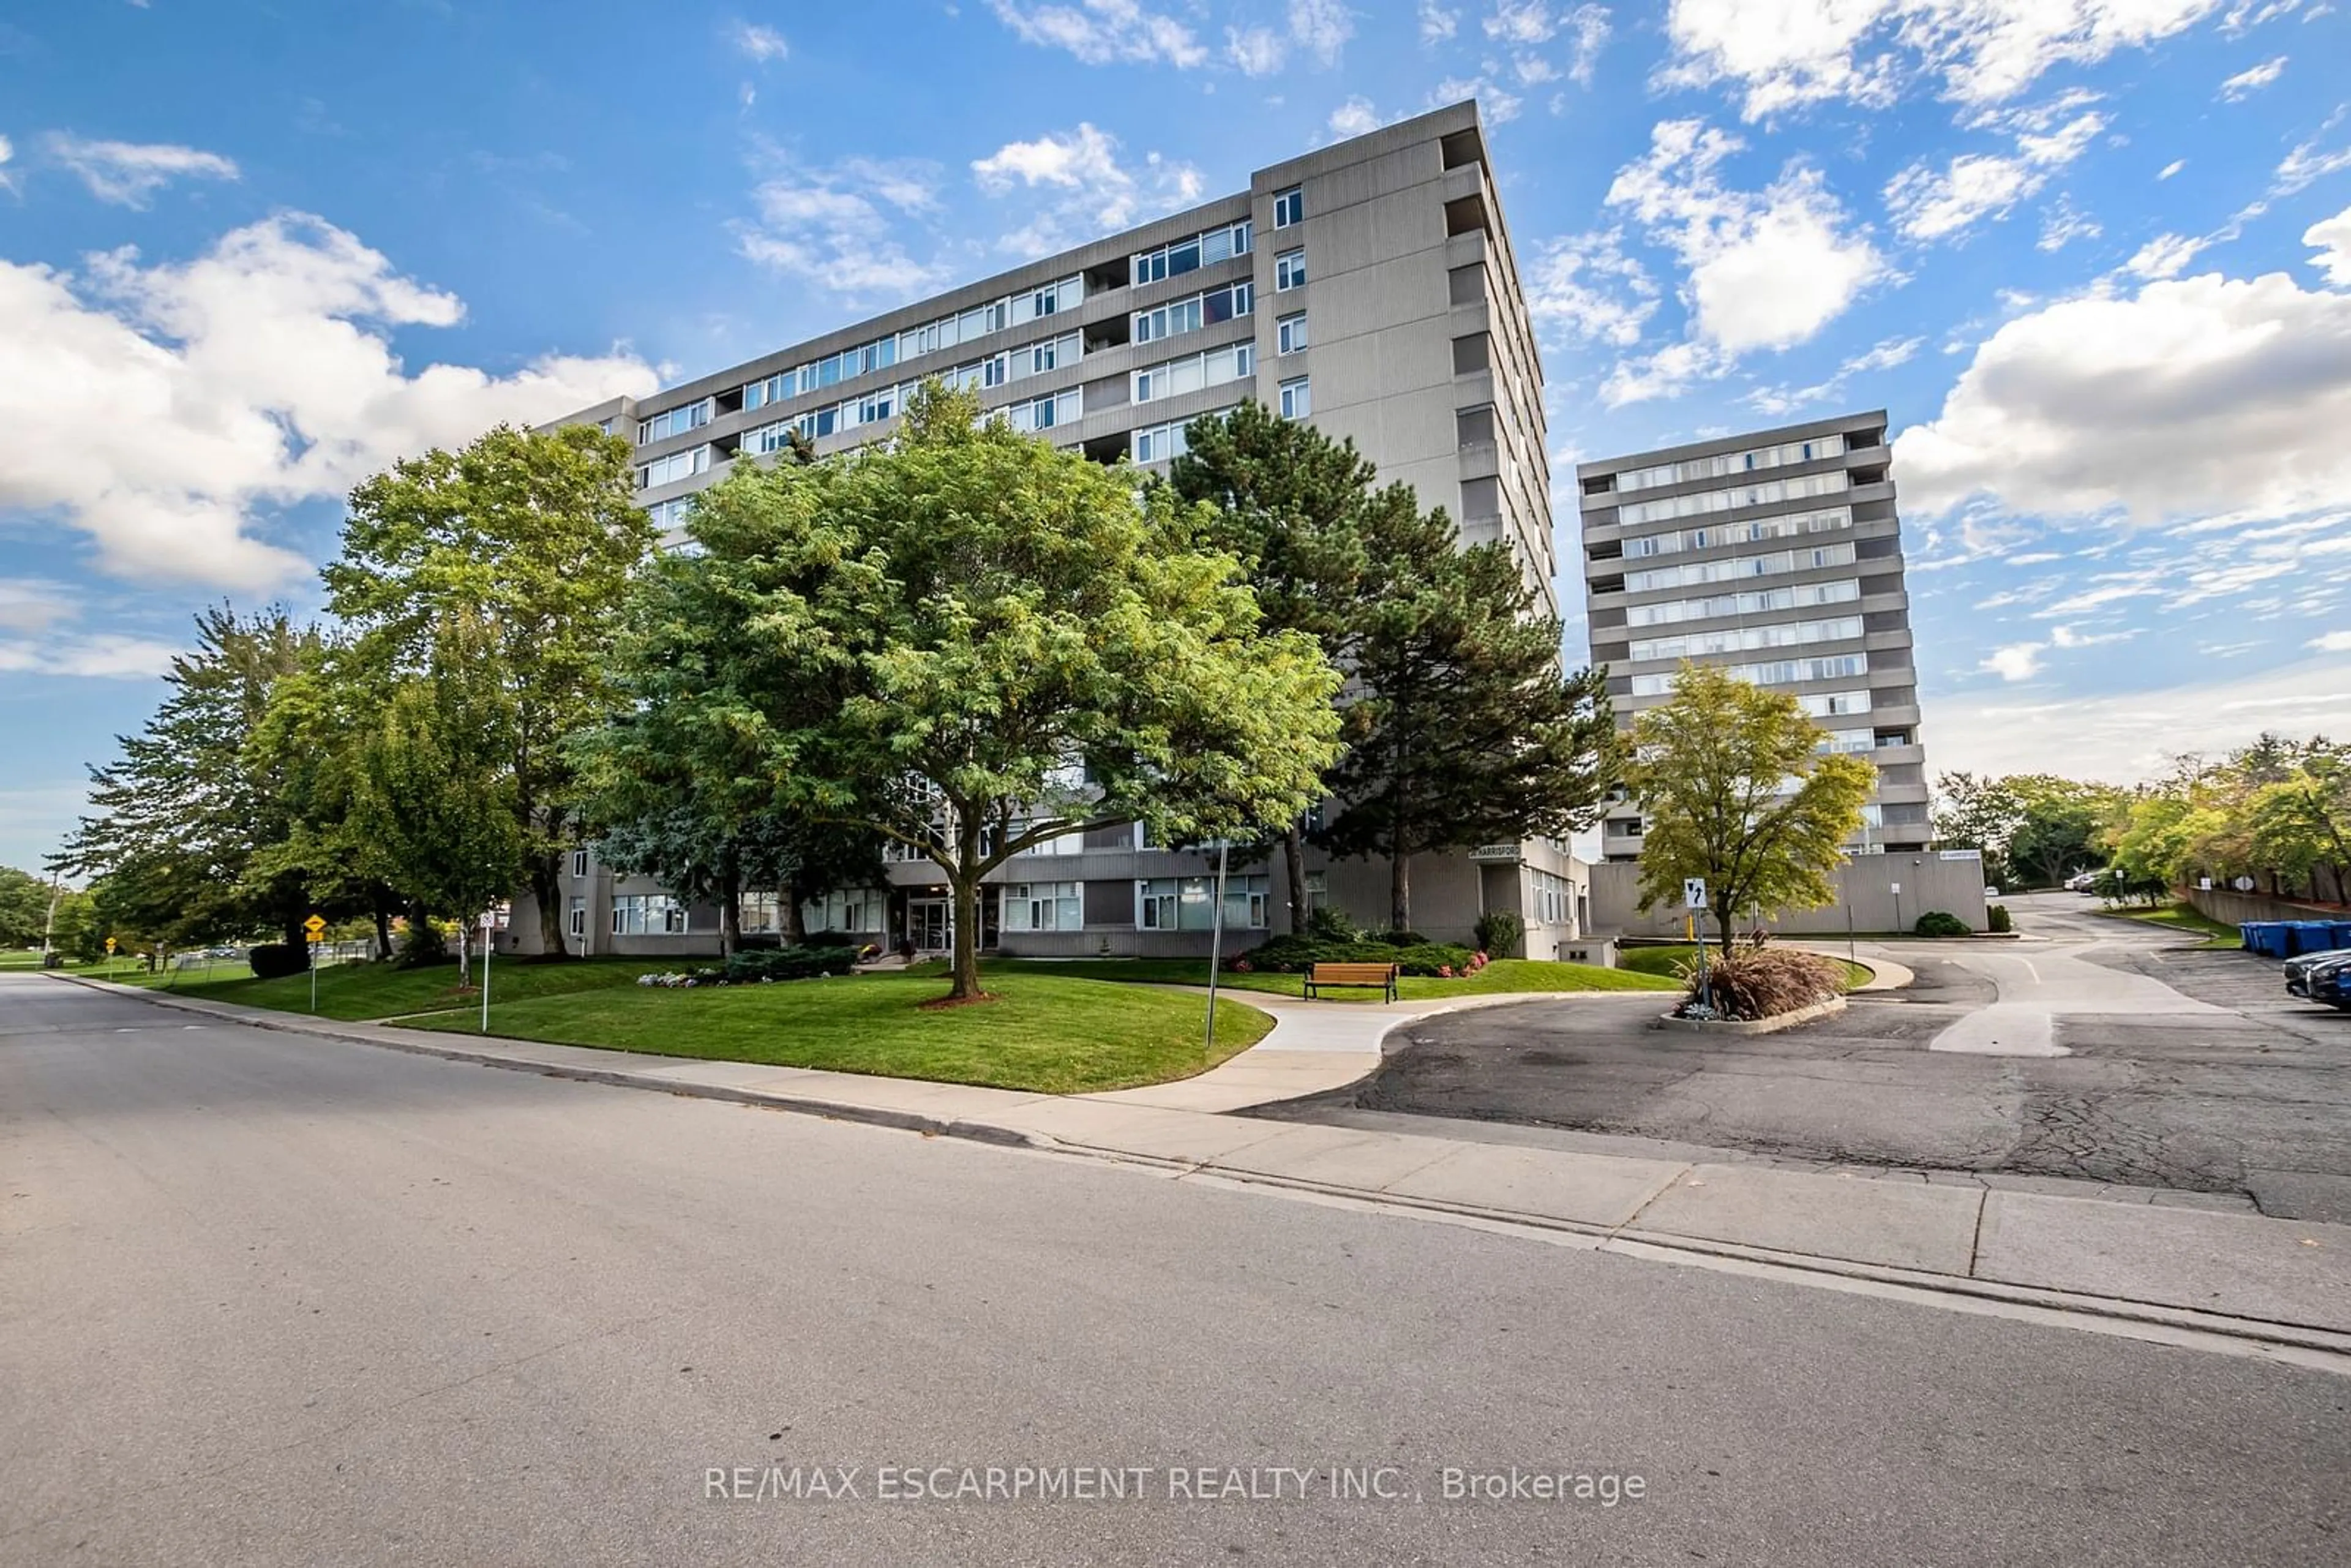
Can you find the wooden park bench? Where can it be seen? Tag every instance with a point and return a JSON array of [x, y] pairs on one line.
[[1381, 977]]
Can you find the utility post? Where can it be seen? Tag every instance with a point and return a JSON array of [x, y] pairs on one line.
[[1216, 943], [1694, 899], [316, 929]]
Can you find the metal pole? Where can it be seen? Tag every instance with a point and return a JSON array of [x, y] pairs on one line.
[[486, 944], [1705, 985], [1217, 943], [314, 976]]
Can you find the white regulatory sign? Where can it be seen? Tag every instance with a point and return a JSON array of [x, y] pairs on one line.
[[1693, 892]]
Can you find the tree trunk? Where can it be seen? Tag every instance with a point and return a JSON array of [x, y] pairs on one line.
[[1722, 933], [1399, 892], [547, 889], [382, 927], [1294, 850], [730, 909], [794, 920], [296, 935], [967, 941]]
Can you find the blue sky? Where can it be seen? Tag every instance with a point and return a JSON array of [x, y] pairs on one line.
[[2094, 257]]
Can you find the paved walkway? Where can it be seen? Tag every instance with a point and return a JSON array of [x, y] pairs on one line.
[[2284, 1285]]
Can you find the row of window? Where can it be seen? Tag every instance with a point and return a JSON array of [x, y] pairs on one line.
[[673, 422], [1161, 904], [1780, 672], [1743, 639], [1194, 312], [1721, 534], [1234, 361], [946, 332], [1554, 901], [1158, 443], [1762, 495], [675, 466], [1833, 704], [1699, 572], [1693, 468], [1207, 249], [1754, 602]]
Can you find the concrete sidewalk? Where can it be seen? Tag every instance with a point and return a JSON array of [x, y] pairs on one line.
[[2281, 1283]]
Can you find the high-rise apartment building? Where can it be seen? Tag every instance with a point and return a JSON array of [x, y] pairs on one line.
[[1778, 553], [1367, 287]]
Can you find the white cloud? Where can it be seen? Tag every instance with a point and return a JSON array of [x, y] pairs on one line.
[[2332, 240], [1090, 192], [2074, 637], [1522, 21], [1497, 102], [2168, 170], [127, 173], [2193, 396], [34, 604], [835, 228], [1785, 55], [2306, 165], [7, 151], [2062, 225], [1436, 23], [1884, 355], [2164, 255], [2245, 83], [1322, 28], [1584, 286], [1930, 205], [2331, 643], [2016, 660], [1766, 269], [103, 656], [1257, 51], [1357, 117], [1590, 23], [758, 43], [1104, 32], [2130, 736], [158, 408]]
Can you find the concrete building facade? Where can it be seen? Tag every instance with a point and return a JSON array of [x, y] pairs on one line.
[[1778, 553], [1367, 287]]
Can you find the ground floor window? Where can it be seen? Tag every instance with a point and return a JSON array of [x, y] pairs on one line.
[[1318, 891], [1043, 906], [762, 912], [577, 917], [1188, 903], [1553, 898], [857, 909], [647, 914]]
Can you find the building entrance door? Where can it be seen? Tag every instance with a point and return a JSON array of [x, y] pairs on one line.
[[929, 925]]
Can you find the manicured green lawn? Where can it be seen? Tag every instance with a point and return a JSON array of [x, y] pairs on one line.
[[29, 958], [1052, 1033], [1668, 961], [2186, 919], [1502, 975], [358, 991], [220, 972]]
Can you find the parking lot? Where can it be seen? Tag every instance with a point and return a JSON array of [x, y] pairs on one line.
[[2240, 1097]]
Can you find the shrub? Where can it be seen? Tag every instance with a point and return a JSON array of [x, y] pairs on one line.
[[274, 960], [1499, 931], [1397, 938], [1763, 982], [1329, 924], [1998, 918], [789, 964], [1938, 922], [1293, 954]]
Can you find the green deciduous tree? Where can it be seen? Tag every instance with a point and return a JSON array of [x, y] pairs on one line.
[[1466, 730], [180, 820], [972, 644], [24, 907], [1291, 504], [529, 540], [1736, 790]]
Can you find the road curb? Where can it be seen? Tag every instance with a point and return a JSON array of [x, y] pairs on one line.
[[1772, 1025]]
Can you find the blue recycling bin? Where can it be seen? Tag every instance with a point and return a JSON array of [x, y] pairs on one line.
[[2266, 937], [2342, 937], [2308, 936]]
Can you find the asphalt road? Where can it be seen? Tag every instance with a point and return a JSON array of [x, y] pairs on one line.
[[2232, 1091], [271, 1299]]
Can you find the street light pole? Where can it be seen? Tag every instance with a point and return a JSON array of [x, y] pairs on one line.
[[1216, 942]]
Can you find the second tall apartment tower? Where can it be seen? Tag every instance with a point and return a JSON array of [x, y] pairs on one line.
[[1779, 554]]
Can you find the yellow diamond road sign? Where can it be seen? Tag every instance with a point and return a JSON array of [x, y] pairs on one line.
[[315, 926]]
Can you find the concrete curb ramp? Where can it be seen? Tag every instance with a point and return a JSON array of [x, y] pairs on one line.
[[2228, 1281]]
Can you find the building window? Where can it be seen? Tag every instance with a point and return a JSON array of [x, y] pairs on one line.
[[1189, 315], [1235, 362], [1318, 891], [1289, 270], [1289, 207], [1188, 903], [647, 914], [1290, 334], [1297, 399], [578, 863], [1158, 443], [1043, 906], [1182, 255], [676, 466], [673, 422], [605, 426], [576, 917]]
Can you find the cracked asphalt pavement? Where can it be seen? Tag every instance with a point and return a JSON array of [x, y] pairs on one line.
[[2242, 1103]]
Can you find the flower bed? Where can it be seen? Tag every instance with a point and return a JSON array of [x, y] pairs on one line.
[[1760, 983]]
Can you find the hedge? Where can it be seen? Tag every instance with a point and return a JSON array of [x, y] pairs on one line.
[[789, 963], [1293, 954]]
